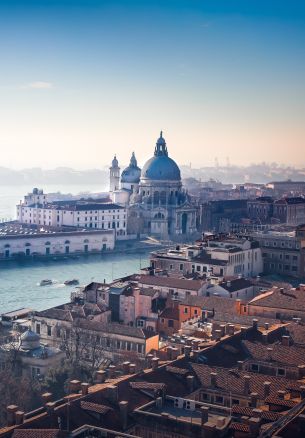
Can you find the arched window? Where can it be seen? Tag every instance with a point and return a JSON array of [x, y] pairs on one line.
[[156, 197], [7, 245], [163, 197], [48, 243], [86, 241], [27, 244], [67, 242]]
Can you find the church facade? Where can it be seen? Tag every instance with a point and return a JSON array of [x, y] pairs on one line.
[[154, 197]]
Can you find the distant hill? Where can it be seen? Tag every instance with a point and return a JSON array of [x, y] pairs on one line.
[[257, 173]]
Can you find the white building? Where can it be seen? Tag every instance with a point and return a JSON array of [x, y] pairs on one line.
[[37, 210], [16, 240]]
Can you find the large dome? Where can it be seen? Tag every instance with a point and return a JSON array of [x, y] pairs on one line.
[[132, 173], [160, 166]]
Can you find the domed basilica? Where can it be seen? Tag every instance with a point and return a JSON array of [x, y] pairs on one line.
[[157, 204]]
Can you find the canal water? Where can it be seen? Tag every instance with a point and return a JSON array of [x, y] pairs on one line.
[[19, 281]]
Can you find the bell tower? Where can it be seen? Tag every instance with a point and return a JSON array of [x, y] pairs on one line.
[[114, 175]]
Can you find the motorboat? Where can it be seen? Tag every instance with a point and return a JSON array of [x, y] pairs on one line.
[[45, 283], [73, 282]]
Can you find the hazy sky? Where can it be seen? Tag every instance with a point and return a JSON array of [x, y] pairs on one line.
[[80, 80]]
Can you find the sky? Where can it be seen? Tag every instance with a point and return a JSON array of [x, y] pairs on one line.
[[81, 80]]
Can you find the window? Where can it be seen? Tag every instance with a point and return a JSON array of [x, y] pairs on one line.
[[281, 372], [170, 323], [235, 401], [195, 311], [255, 367], [219, 399], [38, 329], [181, 266], [171, 291], [186, 310], [49, 330], [204, 396]]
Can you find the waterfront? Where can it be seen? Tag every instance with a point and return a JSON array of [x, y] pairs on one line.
[[19, 281]]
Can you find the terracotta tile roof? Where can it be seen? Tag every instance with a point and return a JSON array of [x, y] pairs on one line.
[[287, 355], [280, 402], [228, 378], [179, 283], [53, 313], [115, 328], [147, 385], [296, 332], [236, 284], [220, 304], [94, 407], [176, 370], [248, 412], [292, 299], [170, 313], [38, 433], [240, 427]]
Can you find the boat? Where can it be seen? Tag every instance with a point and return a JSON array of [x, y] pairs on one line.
[[73, 282], [45, 283]]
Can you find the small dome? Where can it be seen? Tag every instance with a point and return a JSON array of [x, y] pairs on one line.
[[30, 340], [160, 166], [132, 173]]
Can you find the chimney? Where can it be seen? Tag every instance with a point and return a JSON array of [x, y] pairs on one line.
[[254, 398], [265, 337], [159, 402], [222, 328], [50, 408], [247, 384], [230, 329], [267, 387], [255, 324], [85, 388], [74, 386], [10, 411], [125, 366], [221, 421], [155, 363], [19, 417], [257, 412], [213, 379], [217, 335], [149, 359], [124, 413], [285, 340], [46, 397], [100, 376], [132, 368], [266, 325], [243, 331], [204, 414], [111, 370], [190, 383], [113, 394], [254, 423], [240, 364], [187, 350], [281, 394], [175, 353]]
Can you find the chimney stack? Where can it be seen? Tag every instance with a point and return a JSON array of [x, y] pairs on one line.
[[132, 368], [187, 350], [190, 383], [155, 363], [255, 323], [113, 394], [281, 394], [46, 397], [285, 340], [267, 387], [254, 398], [85, 388], [247, 384], [100, 376], [10, 410], [111, 371], [50, 408], [204, 414], [125, 366], [74, 386], [124, 413], [213, 377], [240, 364], [19, 417], [149, 359]]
